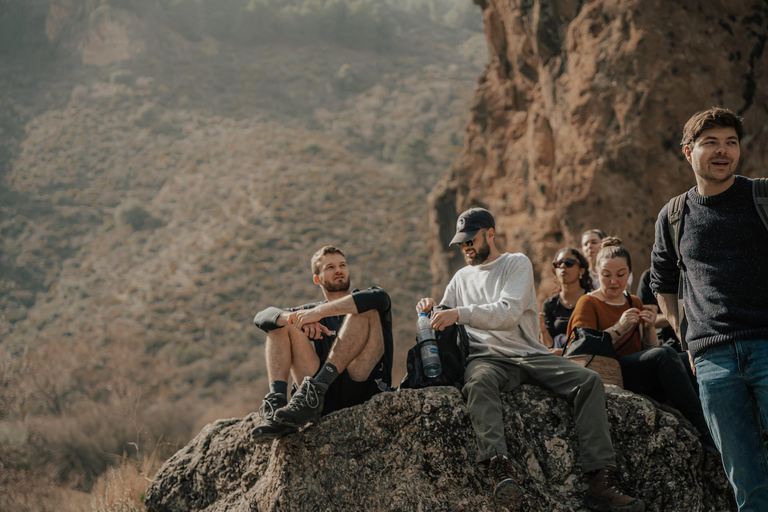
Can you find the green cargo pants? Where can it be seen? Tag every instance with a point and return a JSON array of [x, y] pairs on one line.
[[487, 377]]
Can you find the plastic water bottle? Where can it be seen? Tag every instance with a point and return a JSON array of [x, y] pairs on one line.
[[430, 359]]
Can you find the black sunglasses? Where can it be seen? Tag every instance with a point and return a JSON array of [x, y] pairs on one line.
[[569, 262], [471, 242]]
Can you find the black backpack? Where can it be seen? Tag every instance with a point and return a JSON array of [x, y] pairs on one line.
[[453, 348]]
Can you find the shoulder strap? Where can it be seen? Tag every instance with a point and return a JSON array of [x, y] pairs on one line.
[[676, 207], [760, 195]]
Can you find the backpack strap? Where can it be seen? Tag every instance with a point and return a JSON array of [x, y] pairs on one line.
[[676, 207], [760, 195]]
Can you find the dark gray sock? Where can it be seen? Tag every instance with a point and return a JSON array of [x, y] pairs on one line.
[[278, 386], [327, 373]]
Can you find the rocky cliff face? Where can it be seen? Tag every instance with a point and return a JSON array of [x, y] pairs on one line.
[[415, 450], [577, 120]]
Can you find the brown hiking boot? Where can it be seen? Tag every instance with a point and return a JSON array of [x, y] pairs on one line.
[[605, 493], [507, 491]]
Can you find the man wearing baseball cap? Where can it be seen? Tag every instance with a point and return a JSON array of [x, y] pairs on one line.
[[494, 298]]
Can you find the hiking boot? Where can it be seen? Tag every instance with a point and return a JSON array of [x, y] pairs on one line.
[[271, 430], [305, 406], [605, 493], [268, 428], [507, 491]]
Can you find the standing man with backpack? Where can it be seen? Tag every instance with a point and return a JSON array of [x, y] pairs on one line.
[[494, 298], [710, 282]]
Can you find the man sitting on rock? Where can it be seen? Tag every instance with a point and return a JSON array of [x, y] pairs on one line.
[[494, 298], [340, 349]]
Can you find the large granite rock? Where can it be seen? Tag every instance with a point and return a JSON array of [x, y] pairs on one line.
[[576, 121], [415, 450]]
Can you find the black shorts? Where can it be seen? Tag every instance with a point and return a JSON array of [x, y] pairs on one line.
[[345, 392]]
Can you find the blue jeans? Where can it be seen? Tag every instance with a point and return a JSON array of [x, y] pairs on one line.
[[733, 384]]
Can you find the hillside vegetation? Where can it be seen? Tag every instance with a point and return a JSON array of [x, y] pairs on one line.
[[149, 208]]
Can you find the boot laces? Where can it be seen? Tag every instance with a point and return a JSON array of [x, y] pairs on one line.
[[305, 396], [611, 480], [269, 405], [501, 468]]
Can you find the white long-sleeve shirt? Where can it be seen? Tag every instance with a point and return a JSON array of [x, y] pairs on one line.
[[497, 305]]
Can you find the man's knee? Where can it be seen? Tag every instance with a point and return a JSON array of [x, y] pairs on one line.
[[368, 320], [480, 382], [664, 354], [590, 379]]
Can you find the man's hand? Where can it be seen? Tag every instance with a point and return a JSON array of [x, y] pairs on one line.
[[303, 317], [425, 305], [315, 331], [443, 319]]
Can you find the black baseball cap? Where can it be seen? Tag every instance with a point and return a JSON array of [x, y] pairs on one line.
[[470, 222]]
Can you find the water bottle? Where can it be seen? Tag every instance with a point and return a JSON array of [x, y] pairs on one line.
[[430, 359]]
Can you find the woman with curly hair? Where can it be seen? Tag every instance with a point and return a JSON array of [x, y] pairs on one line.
[[571, 271]]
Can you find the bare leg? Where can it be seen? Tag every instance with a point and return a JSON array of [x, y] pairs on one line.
[[290, 351], [359, 345]]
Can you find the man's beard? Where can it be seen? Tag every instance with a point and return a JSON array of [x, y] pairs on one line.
[[481, 254], [337, 286]]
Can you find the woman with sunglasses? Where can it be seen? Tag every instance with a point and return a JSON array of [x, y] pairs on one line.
[[646, 366], [571, 271]]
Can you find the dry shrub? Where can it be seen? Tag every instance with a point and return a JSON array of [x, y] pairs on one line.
[[123, 488], [77, 449], [32, 491]]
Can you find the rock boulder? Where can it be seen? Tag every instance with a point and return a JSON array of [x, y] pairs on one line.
[[415, 450]]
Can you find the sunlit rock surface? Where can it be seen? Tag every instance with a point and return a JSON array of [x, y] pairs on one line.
[[415, 450]]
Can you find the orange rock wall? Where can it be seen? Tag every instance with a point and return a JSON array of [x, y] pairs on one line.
[[576, 121]]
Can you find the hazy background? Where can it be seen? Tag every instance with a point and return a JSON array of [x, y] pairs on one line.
[[167, 168]]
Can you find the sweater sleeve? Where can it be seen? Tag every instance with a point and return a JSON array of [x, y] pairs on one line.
[[584, 315], [503, 314], [664, 272], [450, 299]]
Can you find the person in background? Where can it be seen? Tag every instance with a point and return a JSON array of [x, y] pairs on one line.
[[646, 366], [590, 246], [571, 271]]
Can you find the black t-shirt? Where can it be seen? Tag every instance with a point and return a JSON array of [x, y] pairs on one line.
[[365, 300], [556, 318]]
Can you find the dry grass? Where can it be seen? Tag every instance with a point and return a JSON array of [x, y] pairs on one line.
[[122, 488]]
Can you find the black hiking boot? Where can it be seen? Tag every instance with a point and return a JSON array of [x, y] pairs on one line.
[[506, 489], [606, 494], [305, 406], [268, 428]]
